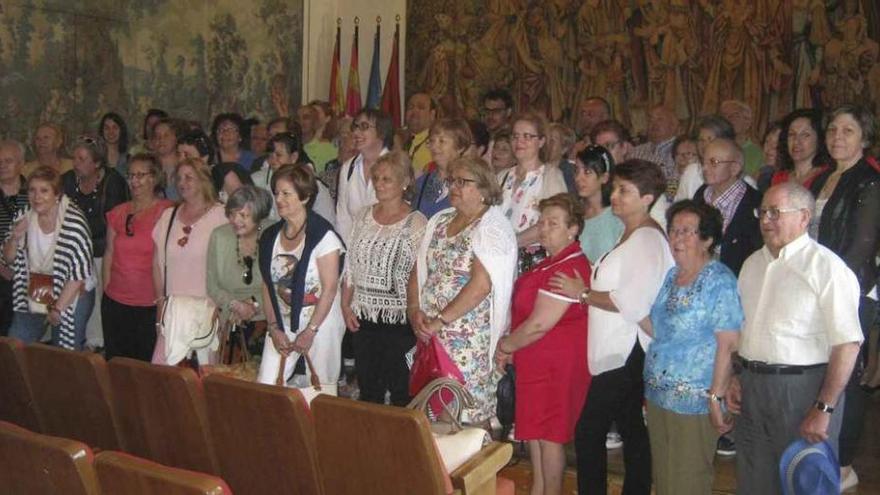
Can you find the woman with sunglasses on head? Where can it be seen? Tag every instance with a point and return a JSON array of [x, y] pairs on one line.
[[233, 267], [602, 228], [96, 189], [128, 308], [181, 243]]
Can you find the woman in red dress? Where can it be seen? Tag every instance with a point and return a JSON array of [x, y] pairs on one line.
[[548, 345]]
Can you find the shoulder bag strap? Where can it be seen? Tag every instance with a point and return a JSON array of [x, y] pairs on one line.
[[165, 264]]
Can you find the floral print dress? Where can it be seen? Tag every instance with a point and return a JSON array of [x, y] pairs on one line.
[[466, 339]]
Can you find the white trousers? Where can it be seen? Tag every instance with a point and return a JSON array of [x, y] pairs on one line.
[[325, 353]]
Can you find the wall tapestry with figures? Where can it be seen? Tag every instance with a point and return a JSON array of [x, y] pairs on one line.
[[68, 61], [690, 55]]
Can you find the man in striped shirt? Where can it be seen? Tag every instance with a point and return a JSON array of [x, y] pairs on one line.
[[13, 199]]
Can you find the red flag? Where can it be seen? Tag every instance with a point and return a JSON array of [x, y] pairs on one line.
[[391, 92], [353, 96], [336, 103]]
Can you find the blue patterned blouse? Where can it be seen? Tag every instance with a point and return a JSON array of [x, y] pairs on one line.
[[680, 361]]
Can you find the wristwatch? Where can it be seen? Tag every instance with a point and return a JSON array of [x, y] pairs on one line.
[[312, 327], [714, 397], [585, 295], [823, 407]]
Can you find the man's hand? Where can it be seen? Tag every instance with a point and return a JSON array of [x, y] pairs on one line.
[[734, 396], [814, 427]]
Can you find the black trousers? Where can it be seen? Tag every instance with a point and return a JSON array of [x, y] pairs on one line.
[[6, 311], [129, 331], [380, 363], [615, 396], [856, 399]]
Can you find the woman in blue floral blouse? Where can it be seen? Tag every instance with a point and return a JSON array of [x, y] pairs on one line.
[[695, 322]]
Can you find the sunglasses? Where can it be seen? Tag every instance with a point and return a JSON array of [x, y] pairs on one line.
[[187, 230], [248, 276], [129, 225]]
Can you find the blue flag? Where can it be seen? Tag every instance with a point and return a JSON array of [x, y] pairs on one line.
[[374, 91]]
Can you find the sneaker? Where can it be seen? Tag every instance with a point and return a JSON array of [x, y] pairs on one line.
[[849, 480], [726, 447], [613, 440]]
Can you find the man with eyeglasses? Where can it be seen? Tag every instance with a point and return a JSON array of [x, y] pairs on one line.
[[13, 200], [798, 344], [421, 111], [725, 189], [495, 111]]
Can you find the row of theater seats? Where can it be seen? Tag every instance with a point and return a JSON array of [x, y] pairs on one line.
[[259, 439]]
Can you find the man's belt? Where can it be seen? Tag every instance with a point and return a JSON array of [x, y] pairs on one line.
[[777, 369]]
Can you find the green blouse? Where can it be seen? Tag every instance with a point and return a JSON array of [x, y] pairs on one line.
[[226, 274]]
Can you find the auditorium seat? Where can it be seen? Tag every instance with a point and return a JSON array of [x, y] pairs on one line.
[[121, 473], [72, 393], [390, 450], [264, 438], [162, 415], [36, 464], [16, 398]]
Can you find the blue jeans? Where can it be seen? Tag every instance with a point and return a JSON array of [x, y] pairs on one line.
[[30, 327]]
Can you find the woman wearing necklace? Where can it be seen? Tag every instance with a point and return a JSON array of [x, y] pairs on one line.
[[234, 280], [464, 280], [181, 242], [50, 250], [695, 323], [128, 308], [623, 285], [300, 260], [96, 189], [802, 152]]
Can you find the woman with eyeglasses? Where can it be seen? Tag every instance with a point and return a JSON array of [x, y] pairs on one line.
[[114, 132], [96, 189], [128, 308], [526, 184], [181, 239], [300, 262], [226, 131], [464, 280], [234, 280], [448, 139], [602, 228]]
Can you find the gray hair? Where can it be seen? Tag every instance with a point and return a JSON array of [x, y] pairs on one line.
[[257, 198], [798, 196], [16, 146]]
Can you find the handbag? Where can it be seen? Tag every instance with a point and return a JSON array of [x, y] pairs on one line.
[[315, 387], [455, 443], [430, 363], [506, 399], [39, 292]]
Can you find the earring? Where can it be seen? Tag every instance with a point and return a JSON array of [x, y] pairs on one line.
[[482, 200]]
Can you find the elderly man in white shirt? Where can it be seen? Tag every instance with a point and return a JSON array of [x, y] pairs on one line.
[[799, 343]]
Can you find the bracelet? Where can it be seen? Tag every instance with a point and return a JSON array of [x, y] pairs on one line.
[[442, 320], [312, 327], [821, 406]]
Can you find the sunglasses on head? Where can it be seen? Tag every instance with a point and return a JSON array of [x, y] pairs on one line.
[[129, 225]]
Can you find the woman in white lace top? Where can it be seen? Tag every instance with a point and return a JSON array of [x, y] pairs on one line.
[[382, 251]]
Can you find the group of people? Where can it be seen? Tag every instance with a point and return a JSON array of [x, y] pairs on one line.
[[671, 291]]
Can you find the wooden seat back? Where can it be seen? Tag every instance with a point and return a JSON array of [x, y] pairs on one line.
[[72, 392], [16, 398], [385, 449], [36, 464], [124, 473], [264, 437], [162, 414]]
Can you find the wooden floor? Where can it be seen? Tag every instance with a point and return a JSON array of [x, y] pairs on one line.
[[867, 465]]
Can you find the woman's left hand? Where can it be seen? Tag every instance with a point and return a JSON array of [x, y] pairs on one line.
[[303, 341], [243, 310], [568, 286], [54, 316]]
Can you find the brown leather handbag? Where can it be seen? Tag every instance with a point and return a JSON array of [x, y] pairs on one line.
[[40, 288]]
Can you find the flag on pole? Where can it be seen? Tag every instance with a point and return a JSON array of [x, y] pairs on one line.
[[391, 93], [336, 102], [374, 95], [353, 95]]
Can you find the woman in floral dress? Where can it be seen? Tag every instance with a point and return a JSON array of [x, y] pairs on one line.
[[464, 280]]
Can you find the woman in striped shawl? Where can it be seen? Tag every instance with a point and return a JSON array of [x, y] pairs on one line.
[[49, 243]]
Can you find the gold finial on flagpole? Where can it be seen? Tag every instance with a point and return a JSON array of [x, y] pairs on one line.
[[339, 21], [357, 20]]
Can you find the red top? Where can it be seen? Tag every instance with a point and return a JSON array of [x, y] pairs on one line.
[[781, 176], [131, 271]]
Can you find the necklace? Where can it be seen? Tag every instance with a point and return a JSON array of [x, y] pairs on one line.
[[294, 236], [187, 229], [246, 262]]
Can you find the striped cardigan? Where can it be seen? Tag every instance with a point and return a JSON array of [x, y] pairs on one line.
[[72, 261]]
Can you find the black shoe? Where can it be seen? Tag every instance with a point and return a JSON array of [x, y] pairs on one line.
[[726, 447]]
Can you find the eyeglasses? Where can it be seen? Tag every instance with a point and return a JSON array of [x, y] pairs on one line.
[[772, 214], [138, 175], [609, 144], [129, 225], [526, 136], [458, 182], [248, 276], [227, 128], [187, 230], [685, 232], [362, 126], [715, 162]]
